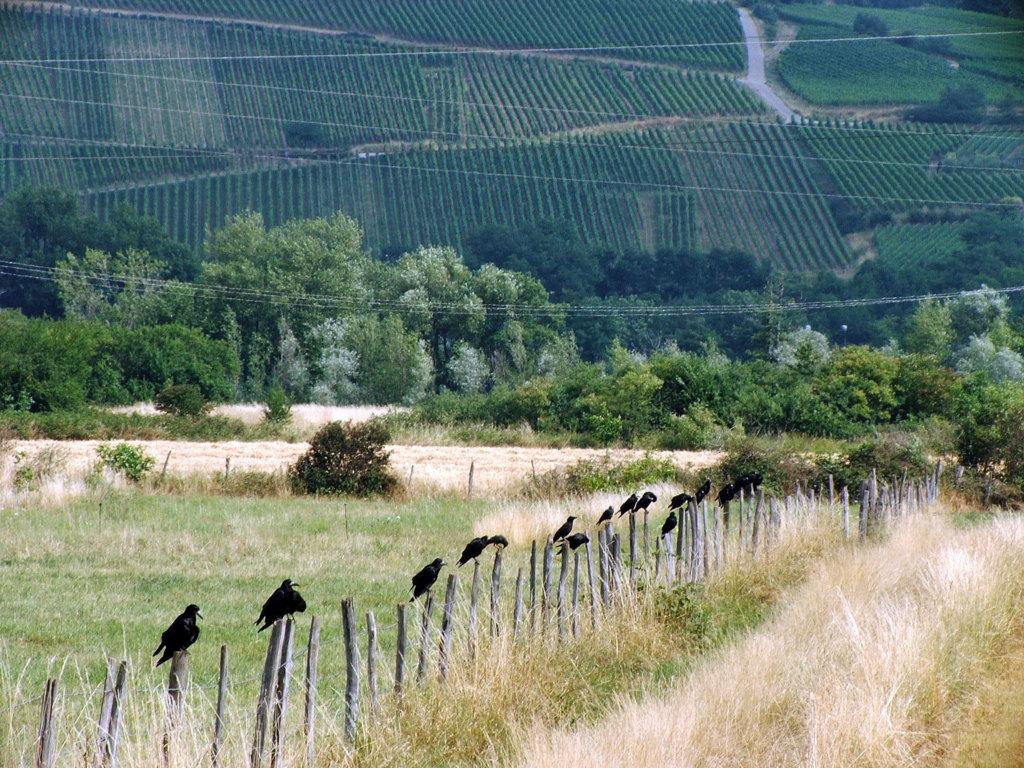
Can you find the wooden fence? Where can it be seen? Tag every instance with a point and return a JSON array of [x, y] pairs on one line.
[[567, 599]]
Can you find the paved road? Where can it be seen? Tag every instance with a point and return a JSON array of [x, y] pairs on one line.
[[755, 67]]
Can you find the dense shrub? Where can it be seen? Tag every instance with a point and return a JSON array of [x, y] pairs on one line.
[[127, 459], [278, 408], [345, 458], [889, 457], [587, 476], [181, 400]]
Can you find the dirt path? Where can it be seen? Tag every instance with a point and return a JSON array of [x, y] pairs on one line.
[[445, 467], [755, 78]]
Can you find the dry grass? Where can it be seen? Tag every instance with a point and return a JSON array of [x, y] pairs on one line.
[[305, 416], [876, 662]]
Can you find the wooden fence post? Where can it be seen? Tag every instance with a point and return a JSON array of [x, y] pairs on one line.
[[590, 580], [574, 613], [495, 593], [424, 663], [175, 694], [757, 523], [533, 587], [545, 605], [103, 730], [474, 597], [563, 573], [647, 541], [864, 510], [602, 562], [632, 550], [469, 487], [44, 747], [266, 696], [371, 662], [615, 552], [222, 697], [348, 617], [284, 675], [517, 611], [400, 650], [312, 664], [447, 620], [109, 757], [845, 495]]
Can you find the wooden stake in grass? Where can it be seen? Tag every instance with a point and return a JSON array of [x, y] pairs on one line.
[[267, 686], [371, 662], [222, 696], [533, 587], [348, 615], [400, 650], [590, 578], [545, 606], [175, 694], [632, 550], [495, 592], [44, 749], [574, 613], [447, 621], [563, 574], [106, 704], [474, 598], [109, 756], [284, 676], [517, 611], [312, 662], [428, 609]]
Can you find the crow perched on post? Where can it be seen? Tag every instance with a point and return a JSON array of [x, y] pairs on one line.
[[574, 541], [680, 501], [498, 541], [645, 501], [606, 515], [283, 602], [669, 524], [426, 577], [628, 505], [562, 532], [726, 494], [750, 480], [180, 635], [473, 550], [703, 491]]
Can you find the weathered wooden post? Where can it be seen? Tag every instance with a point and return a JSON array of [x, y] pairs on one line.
[[222, 698], [266, 697], [602, 563], [469, 488], [574, 613], [845, 496], [44, 746], [495, 593], [284, 676], [517, 611], [312, 671], [447, 621], [864, 509], [348, 618], [474, 598], [590, 578], [615, 555], [371, 662], [106, 704], [632, 550], [533, 587], [428, 609], [757, 524], [400, 650], [647, 542], [545, 606], [109, 756], [175, 694], [563, 573]]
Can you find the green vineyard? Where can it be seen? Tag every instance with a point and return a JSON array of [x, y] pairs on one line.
[[917, 245]]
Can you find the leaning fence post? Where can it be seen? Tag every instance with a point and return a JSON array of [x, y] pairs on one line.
[[400, 649], [284, 675], [348, 617], [495, 593], [44, 749], [116, 713], [312, 662], [469, 487], [371, 661], [428, 608], [103, 735], [266, 694], [447, 620]]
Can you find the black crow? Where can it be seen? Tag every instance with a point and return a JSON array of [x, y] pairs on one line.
[[703, 491], [628, 505], [670, 523], [680, 501], [576, 540], [606, 515], [425, 579], [180, 635], [726, 494], [562, 532], [498, 541], [284, 602], [645, 501], [473, 550], [755, 480]]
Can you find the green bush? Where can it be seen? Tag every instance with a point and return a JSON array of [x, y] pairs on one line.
[[182, 400], [127, 459], [345, 458], [888, 456], [278, 408], [587, 476]]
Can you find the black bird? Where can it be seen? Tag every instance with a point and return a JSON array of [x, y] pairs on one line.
[[424, 580], [726, 494], [679, 501], [628, 505], [645, 501], [755, 480], [574, 541], [284, 602], [703, 491], [498, 541], [606, 515], [473, 550], [180, 635], [562, 532], [670, 523]]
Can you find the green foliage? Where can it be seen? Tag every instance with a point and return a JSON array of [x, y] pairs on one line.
[[889, 457], [687, 612], [278, 408], [780, 467], [605, 474], [345, 459], [182, 400], [991, 435], [127, 459]]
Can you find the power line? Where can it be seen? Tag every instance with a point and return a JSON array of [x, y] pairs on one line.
[[394, 306]]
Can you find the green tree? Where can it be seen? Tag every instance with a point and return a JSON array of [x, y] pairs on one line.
[[929, 331], [858, 383]]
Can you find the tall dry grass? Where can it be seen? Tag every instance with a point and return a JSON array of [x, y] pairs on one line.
[[878, 661]]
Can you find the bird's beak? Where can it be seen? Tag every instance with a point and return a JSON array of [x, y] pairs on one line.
[[200, 614]]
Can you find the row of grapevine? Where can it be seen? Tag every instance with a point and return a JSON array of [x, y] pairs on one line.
[[916, 245], [643, 190], [508, 23]]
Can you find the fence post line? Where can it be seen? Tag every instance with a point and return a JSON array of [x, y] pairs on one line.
[[424, 662], [474, 597], [284, 676], [447, 620], [44, 748], [312, 664], [590, 580], [116, 713], [371, 662], [222, 697], [517, 611], [175, 693], [400, 650], [266, 694], [533, 587], [496, 592], [348, 617]]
